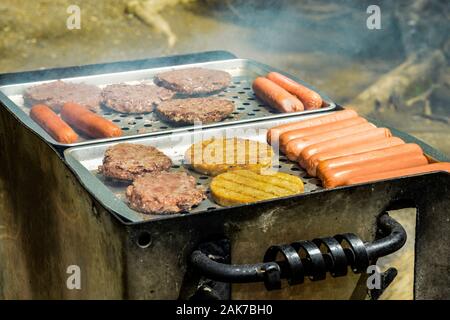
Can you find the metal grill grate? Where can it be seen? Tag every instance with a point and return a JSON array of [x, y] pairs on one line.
[[118, 188], [85, 161], [246, 106]]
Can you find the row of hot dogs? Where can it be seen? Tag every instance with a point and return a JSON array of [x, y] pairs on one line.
[[286, 95], [343, 148], [73, 116]]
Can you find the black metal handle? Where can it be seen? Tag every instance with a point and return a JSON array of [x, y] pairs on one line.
[[311, 259]]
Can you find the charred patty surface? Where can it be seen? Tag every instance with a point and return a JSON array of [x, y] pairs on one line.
[[55, 94], [164, 193], [188, 111], [126, 161], [194, 81], [140, 98]]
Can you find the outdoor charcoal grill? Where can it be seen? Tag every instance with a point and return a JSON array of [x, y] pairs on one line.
[[56, 211]]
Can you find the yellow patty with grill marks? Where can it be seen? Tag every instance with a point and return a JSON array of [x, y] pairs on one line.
[[244, 186], [215, 156]]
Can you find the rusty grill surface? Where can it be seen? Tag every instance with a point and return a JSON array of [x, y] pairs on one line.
[[85, 161], [247, 107]]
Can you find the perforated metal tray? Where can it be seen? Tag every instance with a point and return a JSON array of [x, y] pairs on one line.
[[247, 107], [85, 160]]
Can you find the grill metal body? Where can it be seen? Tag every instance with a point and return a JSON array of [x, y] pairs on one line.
[[50, 219]]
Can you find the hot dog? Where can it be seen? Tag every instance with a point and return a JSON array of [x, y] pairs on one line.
[[442, 166], [296, 146], [274, 133], [88, 122], [300, 133], [310, 98], [276, 96], [366, 143], [404, 150], [53, 124], [339, 176]]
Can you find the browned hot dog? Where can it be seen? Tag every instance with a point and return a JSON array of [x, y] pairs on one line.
[[441, 166], [274, 133], [310, 98], [339, 176], [276, 96], [405, 150], [53, 124], [286, 137], [310, 163], [296, 146], [88, 122], [344, 144]]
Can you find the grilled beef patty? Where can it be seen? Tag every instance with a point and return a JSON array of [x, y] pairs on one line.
[[126, 161], [194, 81], [164, 193], [55, 94], [140, 98], [188, 111]]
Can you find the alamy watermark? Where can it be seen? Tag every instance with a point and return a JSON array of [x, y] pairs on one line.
[[374, 278], [73, 22], [373, 21], [73, 281]]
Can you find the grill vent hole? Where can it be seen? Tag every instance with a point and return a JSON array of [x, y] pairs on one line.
[[144, 239]]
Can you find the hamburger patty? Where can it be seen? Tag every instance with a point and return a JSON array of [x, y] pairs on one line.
[[55, 94], [194, 81], [126, 161], [188, 111], [138, 98], [164, 193]]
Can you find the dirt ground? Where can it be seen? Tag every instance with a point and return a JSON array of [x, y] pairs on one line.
[[327, 45]]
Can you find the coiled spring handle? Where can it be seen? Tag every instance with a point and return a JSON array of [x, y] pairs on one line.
[[311, 259]]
